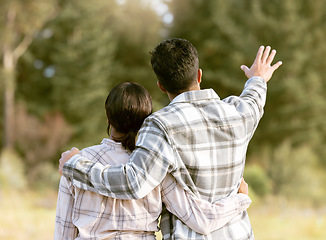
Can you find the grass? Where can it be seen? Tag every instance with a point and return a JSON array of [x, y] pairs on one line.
[[288, 223], [27, 216], [31, 216]]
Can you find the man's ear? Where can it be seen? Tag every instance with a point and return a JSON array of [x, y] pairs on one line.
[[199, 75], [161, 86]]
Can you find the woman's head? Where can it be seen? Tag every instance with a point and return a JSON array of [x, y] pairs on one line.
[[127, 106]]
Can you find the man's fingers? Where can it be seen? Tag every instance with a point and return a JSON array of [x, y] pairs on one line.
[[61, 162], [271, 57], [244, 68], [259, 54], [74, 150], [70, 153], [65, 153], [60, 167], [261, 67], [276, 65], [266, 53], [65, 156]]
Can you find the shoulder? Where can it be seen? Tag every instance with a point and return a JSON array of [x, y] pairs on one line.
[[108, 152], [163, 112], [65, 186], [91, 151], [159, 121]]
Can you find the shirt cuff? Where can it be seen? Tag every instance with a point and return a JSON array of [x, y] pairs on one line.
[[244, 201], [256, 79], [68, 167]]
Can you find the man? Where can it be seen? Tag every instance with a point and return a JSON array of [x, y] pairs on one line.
[[198, 138]]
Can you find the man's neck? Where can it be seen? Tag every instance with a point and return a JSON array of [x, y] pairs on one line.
[[171, 96]]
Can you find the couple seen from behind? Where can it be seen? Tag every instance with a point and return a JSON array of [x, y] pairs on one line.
[[186, 166]]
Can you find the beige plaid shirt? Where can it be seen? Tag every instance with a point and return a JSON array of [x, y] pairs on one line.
[[87, 215]]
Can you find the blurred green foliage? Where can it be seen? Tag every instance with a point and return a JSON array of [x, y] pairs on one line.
[[85, 48], [258, 180], [12, 171]]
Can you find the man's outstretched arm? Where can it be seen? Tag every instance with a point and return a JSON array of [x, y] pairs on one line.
[[250, 104], [148, 165]]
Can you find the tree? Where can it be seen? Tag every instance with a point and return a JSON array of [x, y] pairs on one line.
[[77, 58], [69, 67], [138, 30], [20, 21], [78, 50]]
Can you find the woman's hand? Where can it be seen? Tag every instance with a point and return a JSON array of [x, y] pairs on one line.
[[243, 187]]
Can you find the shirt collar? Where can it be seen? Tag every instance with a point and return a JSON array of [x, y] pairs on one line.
[[197, 95], [117, 146], [110, 142]]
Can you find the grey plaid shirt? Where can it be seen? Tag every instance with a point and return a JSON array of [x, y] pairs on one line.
[[198, 138]]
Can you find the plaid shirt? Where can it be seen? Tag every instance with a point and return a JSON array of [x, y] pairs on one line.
[[87, 215], [198, 138]]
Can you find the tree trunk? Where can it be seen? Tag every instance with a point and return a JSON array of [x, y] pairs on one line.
[[12, 50], [9, 65], [9, 100]]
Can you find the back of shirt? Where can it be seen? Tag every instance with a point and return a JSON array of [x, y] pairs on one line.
[[97, 215], [209, 139]]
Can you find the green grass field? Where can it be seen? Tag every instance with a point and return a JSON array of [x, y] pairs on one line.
[[31, 216]]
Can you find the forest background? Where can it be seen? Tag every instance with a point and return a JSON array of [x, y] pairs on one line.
[[60, 59]]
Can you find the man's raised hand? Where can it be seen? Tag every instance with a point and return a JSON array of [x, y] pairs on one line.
[[262, 64]]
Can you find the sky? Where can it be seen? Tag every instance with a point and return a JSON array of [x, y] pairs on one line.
[[159, 6]]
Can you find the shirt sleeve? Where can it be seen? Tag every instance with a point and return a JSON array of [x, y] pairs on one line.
[[64, 227], [198, 214], [250, 104], [148, 165]]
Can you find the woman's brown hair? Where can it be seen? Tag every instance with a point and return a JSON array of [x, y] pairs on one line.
[[127, 106]]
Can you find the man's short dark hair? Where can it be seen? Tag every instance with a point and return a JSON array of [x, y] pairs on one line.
[[175, 63]]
